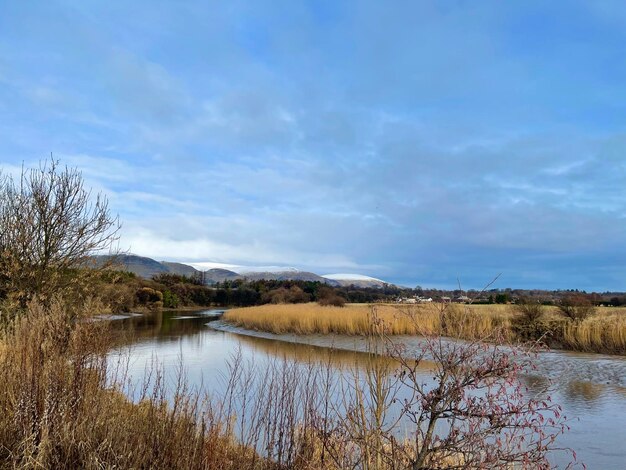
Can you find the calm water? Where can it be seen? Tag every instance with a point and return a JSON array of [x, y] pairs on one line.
[[590, 387]]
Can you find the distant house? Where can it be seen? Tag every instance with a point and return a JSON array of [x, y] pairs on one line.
[[446, 299], [462, 299]]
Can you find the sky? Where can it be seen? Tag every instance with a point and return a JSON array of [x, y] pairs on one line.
[[426, 143]]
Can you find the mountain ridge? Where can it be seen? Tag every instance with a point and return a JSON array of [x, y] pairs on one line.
[[146, 268]]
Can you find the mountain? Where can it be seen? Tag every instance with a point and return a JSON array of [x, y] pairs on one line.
[[180, 268], [220, 275], [357, 280], [290, 275], [147, 267]]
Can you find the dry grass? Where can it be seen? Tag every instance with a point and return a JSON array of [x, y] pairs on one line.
[[603, 332], [453, 320], [60, 410], [60, 407], [600, 333]]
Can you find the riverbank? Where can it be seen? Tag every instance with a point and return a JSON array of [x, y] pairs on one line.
[[62, 407], [560, 366], [603, 332], [586, 385], [67, 404]]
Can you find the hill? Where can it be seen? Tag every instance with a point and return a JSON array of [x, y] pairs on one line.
[[291, 275], [147, 267], [180, 268], [220, 275]]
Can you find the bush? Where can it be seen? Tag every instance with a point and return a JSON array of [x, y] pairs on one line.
[[576, 307], [329, 296], [149, 297], [119, 298], [282, 295], [332, 300], [170, 300], [530, 310], [526, 321], [50, 200]]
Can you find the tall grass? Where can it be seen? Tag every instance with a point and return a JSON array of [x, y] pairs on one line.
[[602, 332], [357, 320], [62, 407], [59, 408]]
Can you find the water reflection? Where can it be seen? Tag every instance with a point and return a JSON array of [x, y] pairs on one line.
[[599, 408]]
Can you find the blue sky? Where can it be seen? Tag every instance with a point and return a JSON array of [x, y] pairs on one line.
[[418, 142]]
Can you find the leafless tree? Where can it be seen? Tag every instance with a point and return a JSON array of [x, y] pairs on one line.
[[50, 225], [576, 307]]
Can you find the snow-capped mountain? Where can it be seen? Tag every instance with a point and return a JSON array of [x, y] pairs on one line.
[[359, 280]]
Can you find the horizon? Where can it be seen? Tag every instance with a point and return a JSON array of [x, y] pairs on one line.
[[423, 143], [243, 270]]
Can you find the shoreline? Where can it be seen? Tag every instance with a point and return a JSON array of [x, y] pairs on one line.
[[558, 365]]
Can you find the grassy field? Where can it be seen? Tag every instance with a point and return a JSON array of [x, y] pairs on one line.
[[603, 332]]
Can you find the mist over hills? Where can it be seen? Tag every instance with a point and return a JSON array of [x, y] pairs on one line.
[[147, 268]]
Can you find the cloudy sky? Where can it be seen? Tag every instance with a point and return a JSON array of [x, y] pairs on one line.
[[419, 142]]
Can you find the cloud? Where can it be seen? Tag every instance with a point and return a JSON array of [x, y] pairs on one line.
[[416, 142]]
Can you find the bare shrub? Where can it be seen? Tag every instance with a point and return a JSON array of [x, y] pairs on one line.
[[526, 322], [530, 310], [327, 296], [49, 227], [576, 307], [282, 295], [334, 301], [475, 413]]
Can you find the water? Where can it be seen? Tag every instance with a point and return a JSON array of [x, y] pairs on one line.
[[591, 388]]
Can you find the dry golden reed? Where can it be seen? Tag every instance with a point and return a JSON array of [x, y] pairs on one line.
[[600, 333], [604, 332], [449, 320], [59, 410]]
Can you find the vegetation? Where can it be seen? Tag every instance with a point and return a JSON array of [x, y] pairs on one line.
[[121, 292], [49, 227], [356, 320], [327, 296], [576, 307], [62, 409], [604, 332], [63, 406], [600, 333]]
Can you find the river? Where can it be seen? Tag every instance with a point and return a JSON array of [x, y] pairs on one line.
[[591, 388]]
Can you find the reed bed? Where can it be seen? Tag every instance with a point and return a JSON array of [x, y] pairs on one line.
[[603, 332], [449, 320], [600, 333]]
